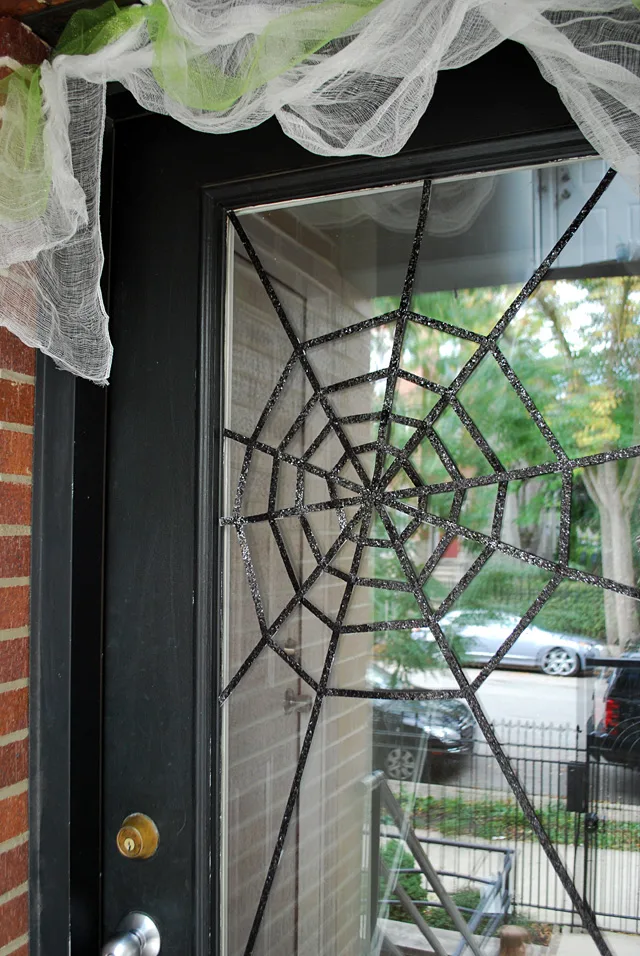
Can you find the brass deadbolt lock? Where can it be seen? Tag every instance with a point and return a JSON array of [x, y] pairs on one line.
[[138, 837]]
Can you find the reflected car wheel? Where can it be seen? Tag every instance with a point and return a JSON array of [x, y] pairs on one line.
[[559, 662], [400, 764]]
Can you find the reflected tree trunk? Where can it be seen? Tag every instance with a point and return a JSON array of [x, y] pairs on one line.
[[614, 495], [613, 486]]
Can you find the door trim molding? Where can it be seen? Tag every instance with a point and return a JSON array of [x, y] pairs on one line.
[[208, 597], [66, 663], [509, 152], [67, 584]]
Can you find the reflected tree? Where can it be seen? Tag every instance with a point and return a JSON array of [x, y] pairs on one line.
[[576, 348], [594, 399]]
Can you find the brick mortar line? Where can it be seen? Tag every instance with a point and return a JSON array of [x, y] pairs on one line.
[[16, 479], [16, 427], [14, 945], [14, 684], [14, 893], [13, 633], [14, 530], [21, 377], [14, 842], [14, 789], [14, 737], [15, 582]]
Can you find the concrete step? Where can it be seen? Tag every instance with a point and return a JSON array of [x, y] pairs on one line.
[[410, 941]]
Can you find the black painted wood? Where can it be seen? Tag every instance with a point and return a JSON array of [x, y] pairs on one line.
[[66, 661], [67, 577], [50, 665]]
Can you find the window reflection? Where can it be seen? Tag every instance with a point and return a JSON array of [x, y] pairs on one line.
[[398, 533]]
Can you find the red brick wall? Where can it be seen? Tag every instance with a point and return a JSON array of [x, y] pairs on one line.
[[17, 367]]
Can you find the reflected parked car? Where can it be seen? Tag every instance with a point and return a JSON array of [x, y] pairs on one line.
[[417, 739], [482, 633], [616, 734]]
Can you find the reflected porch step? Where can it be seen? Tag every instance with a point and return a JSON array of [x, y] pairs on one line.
[[408, 939]]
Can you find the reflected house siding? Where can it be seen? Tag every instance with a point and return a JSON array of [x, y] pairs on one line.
[[315, 902]]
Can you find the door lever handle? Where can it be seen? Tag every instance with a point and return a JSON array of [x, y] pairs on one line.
[[296, 703], [137, 935]]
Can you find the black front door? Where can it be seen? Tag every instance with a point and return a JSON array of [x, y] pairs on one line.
[[253, 563]]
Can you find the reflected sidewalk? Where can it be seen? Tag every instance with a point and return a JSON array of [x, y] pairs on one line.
[[578, 944]]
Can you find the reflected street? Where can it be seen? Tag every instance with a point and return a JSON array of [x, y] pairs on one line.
[[524, 695], [536, 720]]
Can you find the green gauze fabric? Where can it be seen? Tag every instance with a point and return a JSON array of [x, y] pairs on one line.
[[25, 171], [185, 72], [188, 75], [89, 31]]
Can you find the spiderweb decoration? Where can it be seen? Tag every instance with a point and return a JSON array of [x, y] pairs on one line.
[[378, 484]]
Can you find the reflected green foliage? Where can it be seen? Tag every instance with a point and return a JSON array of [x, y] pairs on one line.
[[576, 348], [478, 508], [435, 355], [394, 858], [584, 546], [403, 653], [460, 445], [467, 900], [501, 417], [573, 609], [536, 505], [476, 310], [493, 819]]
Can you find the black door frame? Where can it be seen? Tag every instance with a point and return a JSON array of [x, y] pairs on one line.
[[70, 478]]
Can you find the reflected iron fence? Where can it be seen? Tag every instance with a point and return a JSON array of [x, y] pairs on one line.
[[391, 882], [589, 807]]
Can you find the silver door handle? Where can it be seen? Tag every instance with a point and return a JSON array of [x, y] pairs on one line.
[[137, 935], [296, 703]]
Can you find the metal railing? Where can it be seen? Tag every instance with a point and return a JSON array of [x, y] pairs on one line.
[[477, 925], [597, 830]]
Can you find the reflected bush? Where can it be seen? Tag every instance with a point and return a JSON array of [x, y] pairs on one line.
[[574, 608]]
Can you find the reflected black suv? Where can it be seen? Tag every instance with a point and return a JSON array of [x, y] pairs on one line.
[[417, 739], [616, 733]]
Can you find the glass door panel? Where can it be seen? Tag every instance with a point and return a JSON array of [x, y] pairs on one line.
[[431, 484]]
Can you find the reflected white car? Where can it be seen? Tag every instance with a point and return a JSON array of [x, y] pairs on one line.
[[482, 633]]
